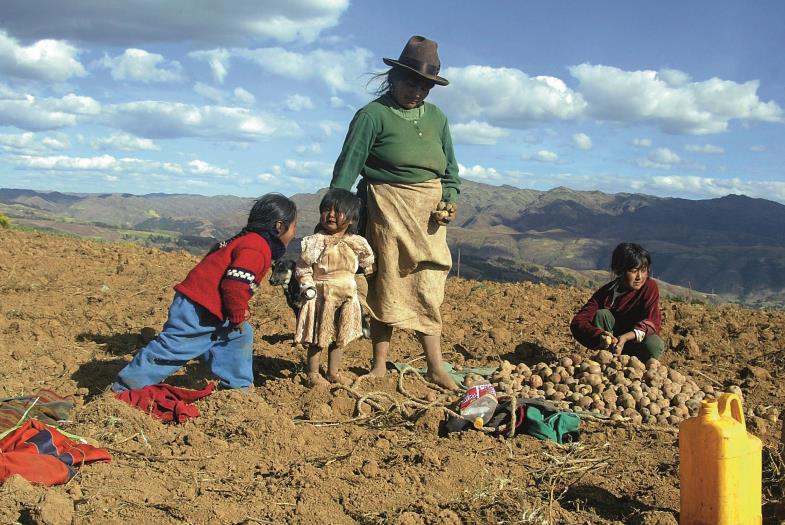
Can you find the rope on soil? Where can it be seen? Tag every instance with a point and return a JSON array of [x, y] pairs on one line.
[[371, 406]]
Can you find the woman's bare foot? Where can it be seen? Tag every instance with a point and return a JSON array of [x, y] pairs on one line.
[[443, 379], [339, 379], [315, 379]]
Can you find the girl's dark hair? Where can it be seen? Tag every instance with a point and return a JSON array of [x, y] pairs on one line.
[[268, 210], [387, 78], [344, 202], [628, 256]]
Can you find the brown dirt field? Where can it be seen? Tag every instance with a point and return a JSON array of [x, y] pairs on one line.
[[72, 314]]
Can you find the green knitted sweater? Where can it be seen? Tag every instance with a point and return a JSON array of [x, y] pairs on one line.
[[388, 144]]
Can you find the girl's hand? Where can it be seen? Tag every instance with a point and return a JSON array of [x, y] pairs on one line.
[[618, 346]]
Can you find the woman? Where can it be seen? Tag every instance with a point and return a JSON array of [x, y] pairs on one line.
[[401, 147], [624, 315]]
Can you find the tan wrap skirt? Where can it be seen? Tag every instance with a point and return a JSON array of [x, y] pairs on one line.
[[412, 256]]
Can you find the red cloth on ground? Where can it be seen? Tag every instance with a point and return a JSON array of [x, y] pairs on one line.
[[166, 402], [42, 455]]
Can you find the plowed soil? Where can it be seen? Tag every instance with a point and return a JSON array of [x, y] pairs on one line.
[[73, 312]]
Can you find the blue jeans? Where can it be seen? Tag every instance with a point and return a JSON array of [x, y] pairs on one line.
[[192, 332]]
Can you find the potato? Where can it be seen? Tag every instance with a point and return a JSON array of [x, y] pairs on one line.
[[585, 402], [535, 381], [604, 357], [565, 362], [555, 377]]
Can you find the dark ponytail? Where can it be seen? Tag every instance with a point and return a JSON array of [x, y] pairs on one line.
[[268, 210]]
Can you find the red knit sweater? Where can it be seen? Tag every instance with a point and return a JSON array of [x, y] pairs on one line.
[[636, 309], [224, 281]]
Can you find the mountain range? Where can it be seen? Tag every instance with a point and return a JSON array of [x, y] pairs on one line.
[[731, 248]]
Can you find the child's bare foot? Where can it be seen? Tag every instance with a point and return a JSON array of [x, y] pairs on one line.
[[339, 378], [315, 379], [443, 379]]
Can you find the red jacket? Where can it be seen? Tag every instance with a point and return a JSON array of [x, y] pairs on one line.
[[636, 309], [224, 281]]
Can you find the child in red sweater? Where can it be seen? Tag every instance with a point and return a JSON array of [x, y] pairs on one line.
[[624, 315], [209, 312]]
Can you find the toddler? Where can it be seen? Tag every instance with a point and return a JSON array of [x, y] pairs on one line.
[[332, 318], [209, 312]]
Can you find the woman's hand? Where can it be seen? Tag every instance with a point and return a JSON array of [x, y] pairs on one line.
[[444, 213]]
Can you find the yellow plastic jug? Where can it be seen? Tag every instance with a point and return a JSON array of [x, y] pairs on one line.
[[720, 467]]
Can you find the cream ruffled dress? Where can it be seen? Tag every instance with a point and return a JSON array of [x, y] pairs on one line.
[[329, 263]]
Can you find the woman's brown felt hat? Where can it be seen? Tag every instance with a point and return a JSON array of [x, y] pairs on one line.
[[419, 56]]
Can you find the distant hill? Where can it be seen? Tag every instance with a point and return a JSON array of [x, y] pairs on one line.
[[732, 246]]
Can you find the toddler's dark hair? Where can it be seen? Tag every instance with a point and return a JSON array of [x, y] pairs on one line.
[[628, 256], [268, 210], [344, 202]]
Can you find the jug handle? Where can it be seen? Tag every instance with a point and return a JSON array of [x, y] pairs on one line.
[[728, 401]]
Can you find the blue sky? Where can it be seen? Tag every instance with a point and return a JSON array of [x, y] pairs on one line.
[[668, 98]]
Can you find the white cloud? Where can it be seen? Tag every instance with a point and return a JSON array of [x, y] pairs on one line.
[[244, 97], [475, 132], [314, 148], [110, 165], [56, 142], [31, 113], [582, 141], [138, 65], [297, 102], [210, 93], [22, 141], [641, 143], [46, 60], [308, 169], [707, 149], [669, 101], [702, 187], [542, 155], [664, 155], [219, 96], [153, 119], [265, 177], [507, 97], [660, 159], [218, 59], [758, 148], [330, 127], [29, 143], [337, 103], [480, 173], [339, 71], [201, 167], [125, 142], [124, 23]]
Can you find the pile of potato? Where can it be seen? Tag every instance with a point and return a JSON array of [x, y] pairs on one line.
[[618, 386]]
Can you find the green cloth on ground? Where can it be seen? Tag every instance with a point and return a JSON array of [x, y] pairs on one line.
[[558, 426], [458, 375]]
